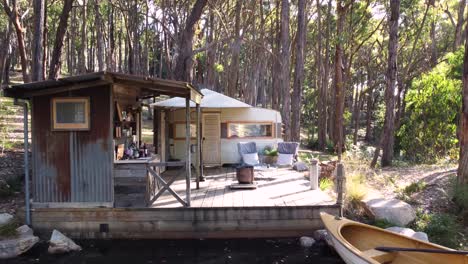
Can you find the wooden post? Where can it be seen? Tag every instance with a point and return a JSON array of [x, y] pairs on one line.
[[340, 185], [187, 150], [314, 174], [198, 147]]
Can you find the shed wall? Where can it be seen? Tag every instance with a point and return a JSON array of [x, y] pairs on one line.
[[73, 166]]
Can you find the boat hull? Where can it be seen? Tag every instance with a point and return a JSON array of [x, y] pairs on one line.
[[356, 243], [347, 255]]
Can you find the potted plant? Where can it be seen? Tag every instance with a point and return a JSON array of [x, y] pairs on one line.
[[270, 155]]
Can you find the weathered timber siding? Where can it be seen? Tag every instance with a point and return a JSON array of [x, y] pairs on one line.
[[73, 166], [170, 223]]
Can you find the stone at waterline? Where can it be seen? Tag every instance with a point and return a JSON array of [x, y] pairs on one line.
[[391, 210], [300, 166], [59, 244], [409, 233], [306, 241], [5, 219], [15, 246], [322, 235]]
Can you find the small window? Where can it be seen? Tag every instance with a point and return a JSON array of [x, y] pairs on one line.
[[70, 113], [250, 130], [179, 130]]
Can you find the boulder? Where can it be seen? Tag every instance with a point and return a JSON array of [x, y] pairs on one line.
[[59, 244], [409, 233], [322, 235], [300, 166], [5, 219], [12, 247], [391, 210], [306, 242]]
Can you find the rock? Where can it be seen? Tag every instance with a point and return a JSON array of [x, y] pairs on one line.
[[300, 166], [12, 247], [409, 233], [392, 210], [5, 219], [320, 234], [306, 241], [24, 230], [59, 243]]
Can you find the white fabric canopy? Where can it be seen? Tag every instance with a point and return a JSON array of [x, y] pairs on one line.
[[211, 99]]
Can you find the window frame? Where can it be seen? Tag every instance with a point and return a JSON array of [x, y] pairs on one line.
[[184, 124], [229, 136], [70, 126]]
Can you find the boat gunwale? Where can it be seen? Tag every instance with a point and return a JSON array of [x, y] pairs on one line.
[[341, 239]]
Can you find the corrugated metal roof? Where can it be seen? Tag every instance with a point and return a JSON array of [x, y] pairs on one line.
[[211, 99], [153, 85]]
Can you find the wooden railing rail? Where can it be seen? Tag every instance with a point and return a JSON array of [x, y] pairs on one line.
[[156, 185]]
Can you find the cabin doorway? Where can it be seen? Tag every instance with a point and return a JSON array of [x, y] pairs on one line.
[[211, 134]]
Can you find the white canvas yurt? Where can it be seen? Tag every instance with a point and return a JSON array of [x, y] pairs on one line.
[[225, 121]]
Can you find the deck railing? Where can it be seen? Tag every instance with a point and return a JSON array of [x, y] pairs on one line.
[[156, 185]]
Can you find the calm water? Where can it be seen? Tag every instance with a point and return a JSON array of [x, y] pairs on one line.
[[185, 251]]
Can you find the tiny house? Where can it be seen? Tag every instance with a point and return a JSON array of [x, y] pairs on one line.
[[225, 121], [87, 145]]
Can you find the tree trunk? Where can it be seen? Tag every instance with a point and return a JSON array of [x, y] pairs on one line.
[[388, 138], [298, 73], [84, 38], [112, 40], [38, 41], [459, 26], [433, 44], [276, 65], [4, 53], [462, 173], [184, 63], [285, 61], [339, 83], [369, 113], [322, 84], [15, 19], [236, 46], [100, 38], [211, 53], [327, 125], [59, 36]]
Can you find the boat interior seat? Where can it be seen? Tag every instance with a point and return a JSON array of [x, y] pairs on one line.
[[380, 256]]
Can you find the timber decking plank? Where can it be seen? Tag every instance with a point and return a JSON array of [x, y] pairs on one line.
[[275, 187]]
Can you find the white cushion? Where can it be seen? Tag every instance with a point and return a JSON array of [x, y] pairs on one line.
[[285, 159], [251, 158]]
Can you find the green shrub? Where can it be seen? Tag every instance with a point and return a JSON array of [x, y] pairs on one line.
[[405, 193], [325, 184], [356, 188], [443, 229], [383, 223], [415, 187], [9, 229], [460, 196], [9, 186], [429, 130]]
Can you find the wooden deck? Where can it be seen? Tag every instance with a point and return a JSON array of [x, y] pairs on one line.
[[281, 206], [275, 187]]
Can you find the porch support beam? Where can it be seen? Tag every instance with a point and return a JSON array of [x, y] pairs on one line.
[[198, 147], [187, 151]]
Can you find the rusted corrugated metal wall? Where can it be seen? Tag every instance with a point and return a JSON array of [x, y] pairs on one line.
[[73, 166]]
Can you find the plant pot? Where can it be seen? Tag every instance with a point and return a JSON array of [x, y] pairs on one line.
[[270, 160], [245, 174]]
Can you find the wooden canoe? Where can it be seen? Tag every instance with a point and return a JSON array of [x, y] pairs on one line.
[[356, 242]]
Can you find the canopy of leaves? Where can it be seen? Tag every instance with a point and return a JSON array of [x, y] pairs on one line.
[[429, 131]]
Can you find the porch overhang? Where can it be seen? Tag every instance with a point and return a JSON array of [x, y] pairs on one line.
[[149, 86]]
